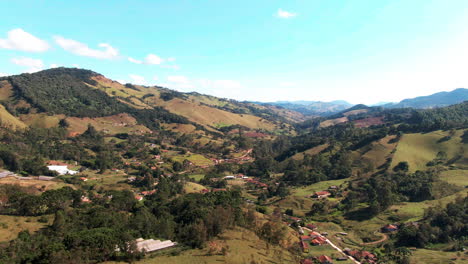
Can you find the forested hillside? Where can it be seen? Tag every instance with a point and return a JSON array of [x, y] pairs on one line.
[[90, 167]]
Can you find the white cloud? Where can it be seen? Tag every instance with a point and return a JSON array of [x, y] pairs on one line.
[[173, 67], [2, 74], [75, 65], [155, 78], [130, 59], [137, 79], [19, 39], [171, 59], [53, 65], [33, 65], [81, 49], [285, 14], [153, 59]]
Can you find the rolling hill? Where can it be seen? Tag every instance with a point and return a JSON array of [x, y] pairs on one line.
[[312, 108], [434, 100], [44, 98]]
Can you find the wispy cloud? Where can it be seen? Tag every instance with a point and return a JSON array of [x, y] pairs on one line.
[[285, 14], [173, 67], [33, 65], [132, 60], [18, 39], [81, 49], [150, 59]]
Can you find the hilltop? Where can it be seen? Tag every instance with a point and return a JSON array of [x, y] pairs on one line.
[[70, 93], [434, 100]]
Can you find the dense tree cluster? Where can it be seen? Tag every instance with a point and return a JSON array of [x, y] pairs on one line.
[[91, 232]]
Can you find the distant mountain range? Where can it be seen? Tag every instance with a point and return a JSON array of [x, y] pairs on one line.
[[313, 108], [434, 100], [318, 108]]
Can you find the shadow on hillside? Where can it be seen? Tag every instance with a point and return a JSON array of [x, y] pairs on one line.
[[359, 215]]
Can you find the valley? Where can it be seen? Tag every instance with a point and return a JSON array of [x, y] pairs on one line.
[[228, 181]]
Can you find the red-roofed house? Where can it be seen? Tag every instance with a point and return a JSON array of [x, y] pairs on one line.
[[306, 238], [311, 226], [325, 259], [321, 194], [307, 261], [304, 246], [389, 228], [145, 193]]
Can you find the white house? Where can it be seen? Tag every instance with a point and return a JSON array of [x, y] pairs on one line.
[[62, 170]]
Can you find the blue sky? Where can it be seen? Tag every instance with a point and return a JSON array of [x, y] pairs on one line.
[[265, 50]]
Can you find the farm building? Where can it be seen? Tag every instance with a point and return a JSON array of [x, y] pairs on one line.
[[150, 245], [62, 169], [325, 259], [321, 194], [389, 228]]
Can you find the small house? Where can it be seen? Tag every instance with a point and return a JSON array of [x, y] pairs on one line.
[[325, 259], [304, 246], [321, 194], [389, 228]]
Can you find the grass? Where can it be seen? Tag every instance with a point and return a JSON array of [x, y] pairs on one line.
[[244, 246], [109, 180], [319, 186], [210, 116], [191, 187], [418, 149], [10, 226], [424, 256], [456, 177], [35, 186], [313, 151], [196, 177], [9, 119], [300, 205], [378, 151], [197, 159], [41, 120]]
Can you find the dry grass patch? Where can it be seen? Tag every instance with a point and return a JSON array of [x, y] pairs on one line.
[[10, 226]]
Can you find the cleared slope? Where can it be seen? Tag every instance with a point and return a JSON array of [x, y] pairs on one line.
[[418, 149], [10, 120]]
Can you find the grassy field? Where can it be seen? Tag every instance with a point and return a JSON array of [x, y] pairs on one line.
[[9, 119], [333, 122], [418, 149], [197, 159], [197, 177], [210, 116], [299, 204], [10, 226], [457, 177], [35, 186], [244, 246], [109, 180], [121, 123], [319, 186], [424, 256], [191, 187], [313, 151], [378, 151], [41, 120]]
